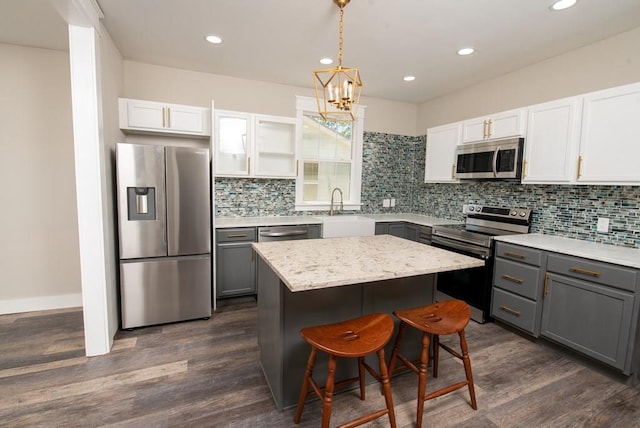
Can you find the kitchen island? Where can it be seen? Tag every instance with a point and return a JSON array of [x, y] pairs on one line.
[[319, 281]]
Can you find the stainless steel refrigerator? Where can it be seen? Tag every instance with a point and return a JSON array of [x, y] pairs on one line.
[[164, 222]]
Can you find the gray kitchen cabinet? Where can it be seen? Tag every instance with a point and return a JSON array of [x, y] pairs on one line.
[[314, 231], [400, 229], [382, 228], [235, 262], [589, 307], [517, 285], [411, 232], [397, 229]]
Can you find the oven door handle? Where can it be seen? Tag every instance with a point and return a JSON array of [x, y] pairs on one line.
[[444, 242], [495, 161]]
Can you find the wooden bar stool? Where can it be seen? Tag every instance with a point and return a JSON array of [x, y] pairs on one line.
[[354, 338], [448, 317]]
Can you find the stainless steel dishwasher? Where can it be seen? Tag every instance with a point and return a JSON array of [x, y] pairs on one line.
[[282, 233]]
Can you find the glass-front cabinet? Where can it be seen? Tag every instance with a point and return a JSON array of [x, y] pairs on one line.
[[251, 145], [275, 150]]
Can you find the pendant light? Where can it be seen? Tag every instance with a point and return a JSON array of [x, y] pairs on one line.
[[338, 89]]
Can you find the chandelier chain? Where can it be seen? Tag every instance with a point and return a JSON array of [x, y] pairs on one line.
[[340, 39]]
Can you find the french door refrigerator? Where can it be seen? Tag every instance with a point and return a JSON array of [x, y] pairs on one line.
[[165, 233]]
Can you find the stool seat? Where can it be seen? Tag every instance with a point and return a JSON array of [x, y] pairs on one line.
[[355, 338], [440, 318]]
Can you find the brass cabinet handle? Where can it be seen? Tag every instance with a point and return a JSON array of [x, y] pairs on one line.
[[168, 117], [248, 165], [296, 168], [513, 279], [253, 255], [524, 169], [545, 288], [489, 128], [237, 235], [163, 116], [516, 255], [510, 311], [579, 166], [584, 271], [484, 129], [453, 171]]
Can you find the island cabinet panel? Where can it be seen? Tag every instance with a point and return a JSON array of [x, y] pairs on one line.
[[282, 313], [590, 318]]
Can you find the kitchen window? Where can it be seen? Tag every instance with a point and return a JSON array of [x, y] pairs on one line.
[[330, 157]]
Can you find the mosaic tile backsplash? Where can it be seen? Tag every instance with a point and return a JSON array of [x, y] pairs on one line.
[[393, 167]]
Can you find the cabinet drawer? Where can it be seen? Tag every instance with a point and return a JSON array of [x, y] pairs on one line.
[[517, 277], [247, 234], [520, 254], [592, 271], [513, 309]]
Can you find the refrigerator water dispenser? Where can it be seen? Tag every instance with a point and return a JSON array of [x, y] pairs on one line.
[[141, 203]]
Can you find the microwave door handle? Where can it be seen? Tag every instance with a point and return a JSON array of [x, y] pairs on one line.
[[495, 162]]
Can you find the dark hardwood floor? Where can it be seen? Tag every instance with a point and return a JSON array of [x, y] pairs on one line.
[[205, 373]]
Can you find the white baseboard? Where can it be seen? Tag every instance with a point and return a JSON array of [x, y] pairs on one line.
[[43, 303]]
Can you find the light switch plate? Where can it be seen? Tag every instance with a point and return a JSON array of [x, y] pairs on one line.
[[465, 208], [386, 203], [603, 225], [393, 202]]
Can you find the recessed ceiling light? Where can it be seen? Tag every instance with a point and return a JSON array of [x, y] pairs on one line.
[[409, 78], [213, 39], [326, 61], [563, 4], [466, 51]]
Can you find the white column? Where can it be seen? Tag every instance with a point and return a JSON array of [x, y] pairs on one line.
[[89, 169]]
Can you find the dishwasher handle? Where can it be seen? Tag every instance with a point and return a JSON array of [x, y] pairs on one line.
[[296, 232]]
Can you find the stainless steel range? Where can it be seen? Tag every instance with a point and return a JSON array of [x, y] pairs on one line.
[[475, 239]]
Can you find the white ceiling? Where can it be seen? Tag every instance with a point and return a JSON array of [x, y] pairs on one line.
[[282, 41]]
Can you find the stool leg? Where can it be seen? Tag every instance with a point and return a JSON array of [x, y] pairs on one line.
[[436, 354], [467, 369], [327, 400], [361, 376], [386, 387], [304, 389], [396, 349], [422, 377]]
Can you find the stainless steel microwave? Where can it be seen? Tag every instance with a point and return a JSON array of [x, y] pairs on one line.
[[490, 160]]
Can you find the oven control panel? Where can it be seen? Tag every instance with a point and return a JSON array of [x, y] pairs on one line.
[[498, 212]]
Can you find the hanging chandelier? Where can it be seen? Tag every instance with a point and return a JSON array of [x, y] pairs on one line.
[[338, 89]]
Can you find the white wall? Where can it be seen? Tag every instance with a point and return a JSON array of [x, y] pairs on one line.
[[39, 255], [157, 83], [610, 62]]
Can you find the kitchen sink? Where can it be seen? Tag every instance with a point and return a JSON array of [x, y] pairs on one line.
[[346, 225]]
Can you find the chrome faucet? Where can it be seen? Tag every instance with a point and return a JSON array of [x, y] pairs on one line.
[[333, 192]]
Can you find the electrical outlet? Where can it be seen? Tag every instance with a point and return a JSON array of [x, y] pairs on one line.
[[393, 202], [603, 225], [465, 208], [386, 203]]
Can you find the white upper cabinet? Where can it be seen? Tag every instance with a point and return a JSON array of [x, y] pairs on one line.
[[275, 146], [251, 145], [441, 153], [610, 140], [550, 148], [509, 123], [162, 118]]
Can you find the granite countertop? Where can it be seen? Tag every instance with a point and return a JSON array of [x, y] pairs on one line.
[[623, 256], [224, 222], [322, 263], [422, 220]]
